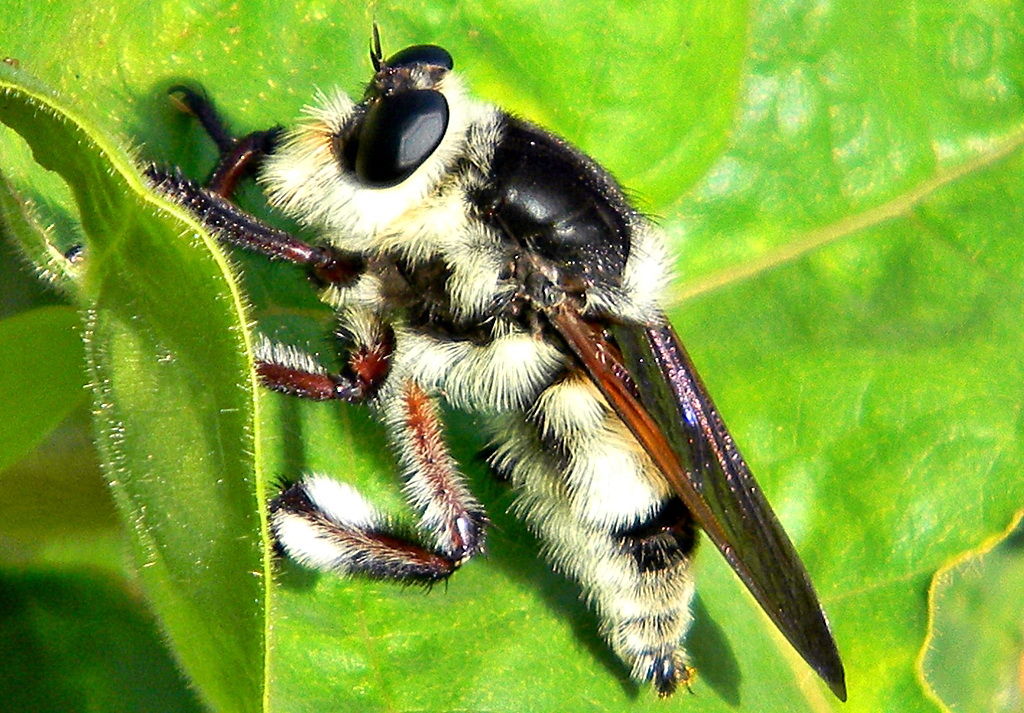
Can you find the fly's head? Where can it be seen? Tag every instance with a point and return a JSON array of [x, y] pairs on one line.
[[405, 118], [363, 173]]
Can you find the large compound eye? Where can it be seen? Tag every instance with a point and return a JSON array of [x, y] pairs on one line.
[[399, 134], [421, 54]]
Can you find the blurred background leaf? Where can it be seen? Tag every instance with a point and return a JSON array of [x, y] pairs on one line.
[[41, 391], [842, 186], [48, 618], [974, 660]]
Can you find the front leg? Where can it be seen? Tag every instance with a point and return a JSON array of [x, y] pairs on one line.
[[327, 525], [235, 227], [289, 370], [238, 156]]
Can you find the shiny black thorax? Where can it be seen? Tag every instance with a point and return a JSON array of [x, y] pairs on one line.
[[549, 199], [564, 221]]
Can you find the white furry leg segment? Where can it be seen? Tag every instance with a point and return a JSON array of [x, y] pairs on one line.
[[433, 483], [327, 525]]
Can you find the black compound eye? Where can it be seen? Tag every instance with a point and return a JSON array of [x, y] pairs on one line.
[[421, 54], [399, 134]]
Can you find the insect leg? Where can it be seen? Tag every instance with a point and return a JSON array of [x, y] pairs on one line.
[[328, 525], [433, 483], [238, 156], [233, 226], [210, 203], [291, 371], [241, 160]]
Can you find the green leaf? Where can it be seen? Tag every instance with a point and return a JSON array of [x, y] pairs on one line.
[[174, 408], [29, 240], [77, 641], [42, 376], [842, 184], [973, 661], [64, 513]]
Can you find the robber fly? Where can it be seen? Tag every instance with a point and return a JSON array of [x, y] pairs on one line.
[[474, 257]]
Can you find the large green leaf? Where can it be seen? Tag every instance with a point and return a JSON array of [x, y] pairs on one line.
[[74, 642], [842, 183], [174, 406]]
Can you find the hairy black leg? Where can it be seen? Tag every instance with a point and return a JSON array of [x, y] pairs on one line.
[[236, 227], [434, 483], [290, 371], [238, 156], [198, 105], [318, 521], [313, 385], [74, 254], [241, 160], [210, 203], [325, 524]]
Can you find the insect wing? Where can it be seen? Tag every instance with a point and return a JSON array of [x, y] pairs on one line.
[[652, 385], [745, 528]]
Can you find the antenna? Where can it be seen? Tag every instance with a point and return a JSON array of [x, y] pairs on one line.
[[376, 55]]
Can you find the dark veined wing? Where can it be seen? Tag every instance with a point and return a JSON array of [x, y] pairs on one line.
[[648, 379]]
